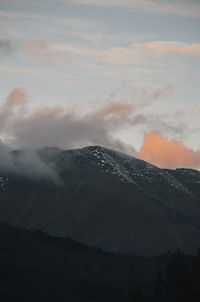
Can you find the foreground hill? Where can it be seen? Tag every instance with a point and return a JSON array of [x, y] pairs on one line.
[[36, 267], [106, 199]]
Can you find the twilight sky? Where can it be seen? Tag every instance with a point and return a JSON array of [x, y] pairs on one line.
[[122, 74]]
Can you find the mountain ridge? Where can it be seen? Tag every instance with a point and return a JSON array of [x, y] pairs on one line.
[[107, 199]]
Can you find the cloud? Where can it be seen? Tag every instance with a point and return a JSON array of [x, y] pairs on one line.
[[117, 109], [18, 96], [138, 98], [177, 7], [142, 54], [23, 70], [55, 126], [177, 48], [66, 128], [112, 54], [6, 48], [13, 108], [180, 8], [67, 22], [42, 50], [28, 163], [166, 153], [63, 127]]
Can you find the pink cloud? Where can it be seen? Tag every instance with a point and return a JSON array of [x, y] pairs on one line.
[[166, 153], [18, 96]]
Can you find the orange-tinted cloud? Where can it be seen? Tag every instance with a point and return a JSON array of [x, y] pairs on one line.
[[165, 153], [117, 109], [18, 96], [22, 126], [112, 54], [115, 54], [178, 48], [41, 50]]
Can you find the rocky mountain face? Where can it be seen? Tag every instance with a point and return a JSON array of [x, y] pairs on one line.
[[105, 199]]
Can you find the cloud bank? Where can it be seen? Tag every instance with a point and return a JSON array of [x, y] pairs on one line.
[[56, 126], [62, 127]]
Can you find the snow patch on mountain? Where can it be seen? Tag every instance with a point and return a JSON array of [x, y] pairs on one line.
[[127, 168], [112, 165], [131, 170]]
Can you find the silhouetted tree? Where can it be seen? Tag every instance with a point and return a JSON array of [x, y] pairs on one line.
[[135, 295], [180, 282], [195, 277], [158, 288], [177, 276]]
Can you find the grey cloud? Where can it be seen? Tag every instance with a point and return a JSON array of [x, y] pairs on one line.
[[140, 97], [166, 123], [66, 130], [26, 162], [60, 127], [6, 47], [54, 126]]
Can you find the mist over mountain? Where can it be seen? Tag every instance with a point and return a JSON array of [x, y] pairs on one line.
[[103, 198]]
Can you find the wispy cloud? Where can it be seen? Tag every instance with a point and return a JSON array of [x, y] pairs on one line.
[[6, 47], [180, 8], [117, 109], [177, 48], [22, 70], [183, 8], [40, 49], [76, 23], [136, 53], [143, 54], [112, 54]]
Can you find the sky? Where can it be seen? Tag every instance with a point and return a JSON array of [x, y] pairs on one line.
[[121, 74]]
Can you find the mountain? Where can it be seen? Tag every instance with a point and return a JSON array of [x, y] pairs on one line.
[[36, 267], [104, 198]]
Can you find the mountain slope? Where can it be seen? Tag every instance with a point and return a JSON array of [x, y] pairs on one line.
[[37, 267], [107, 199]]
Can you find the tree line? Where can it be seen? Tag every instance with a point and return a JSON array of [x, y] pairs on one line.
[[178, 282]]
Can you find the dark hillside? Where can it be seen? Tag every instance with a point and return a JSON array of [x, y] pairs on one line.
[[37, 267]]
